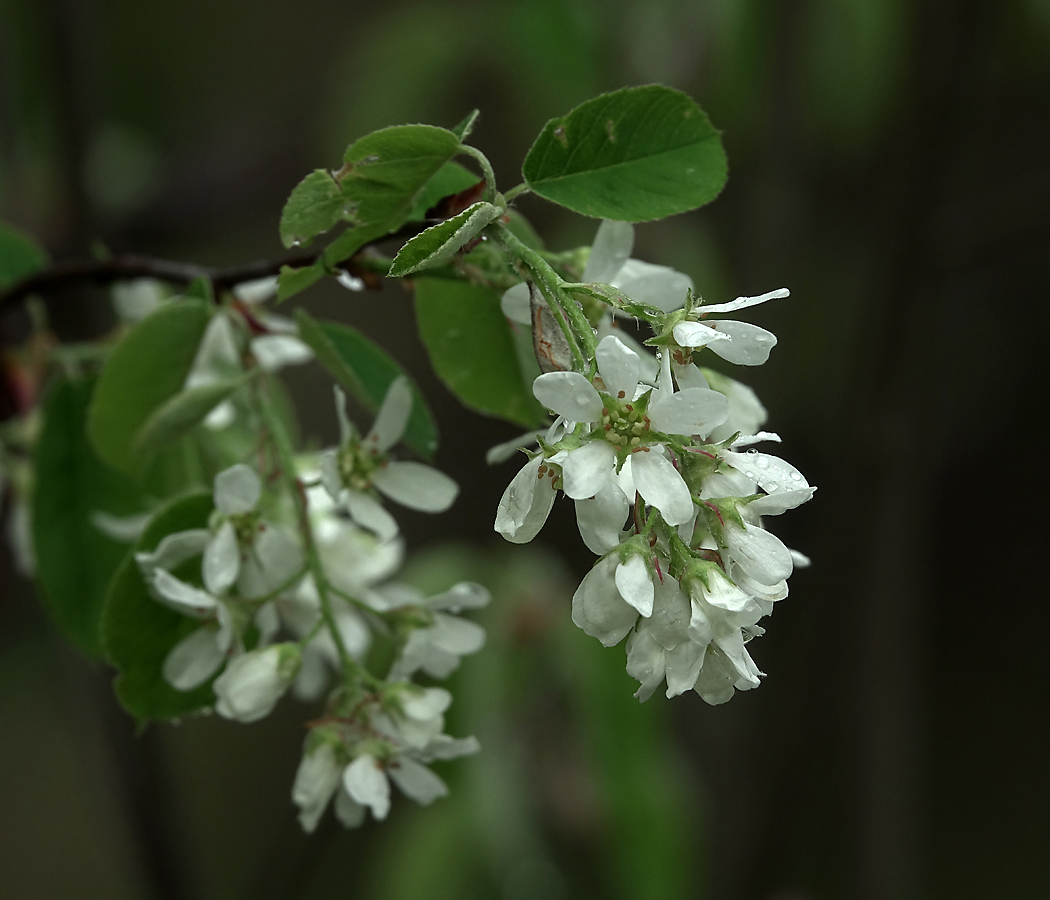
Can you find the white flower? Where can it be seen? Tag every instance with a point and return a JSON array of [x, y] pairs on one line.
[[316, 781], [737, 342], [436, 648], [257, 557], [661, 646], [198, 656], [599, 607], [527, 501], [252, 683], [349, 471]]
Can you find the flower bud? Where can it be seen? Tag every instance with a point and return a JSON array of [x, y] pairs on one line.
[[253, 683]]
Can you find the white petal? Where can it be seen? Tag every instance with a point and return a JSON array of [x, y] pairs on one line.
[[369, 513], [660, 483], [645, 662], [683, 667], [692, 411], [252, 683], [257, 290], [366, 783], [625, 479], [746, 412], [759, 553], [268, 621], [124, 529], [392, 417], [669, 621], [331, 479], [746, 440], [715, 683], [800, 560], [237, 490], [744, 302], [444, 747], [781, 501], [601, 518], [315, 781], [598, 608], [587, 469], [222, 559], [696, 334], [749, 345], [416, 486], [525, 504], [635, 585], [568, 394], [349, 811], [346, 427], [273, 559], [193, 660], [658, 286], [721, 592], [515, 304], [732, 645], [182, 597], [425, 704], [275, 351], [619, 367], [455, 635], [173, 550], [611, 249], [770, 472], [689, 376], [416, 780], [465, 595], [503, 452]]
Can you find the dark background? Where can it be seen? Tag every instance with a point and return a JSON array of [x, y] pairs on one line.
[[889, 162]]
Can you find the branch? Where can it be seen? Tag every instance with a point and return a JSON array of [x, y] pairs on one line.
[[124, 267]]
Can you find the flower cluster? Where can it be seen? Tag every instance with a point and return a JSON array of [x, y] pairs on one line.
[[292, 601], [656, 454]]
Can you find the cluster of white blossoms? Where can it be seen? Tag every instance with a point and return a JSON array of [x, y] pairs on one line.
[[656, 454], [292, 605]]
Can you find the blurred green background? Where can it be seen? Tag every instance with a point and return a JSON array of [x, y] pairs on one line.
[[890, 163]]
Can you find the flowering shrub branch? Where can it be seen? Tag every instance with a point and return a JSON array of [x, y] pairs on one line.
[[178, 532]]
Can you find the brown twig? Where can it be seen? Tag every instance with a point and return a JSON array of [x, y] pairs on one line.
[[123, 267]]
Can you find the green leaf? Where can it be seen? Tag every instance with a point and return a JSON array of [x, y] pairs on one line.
[[451, 178], [143, 372], [522, 229], [385, 171], [464, 128], [472, 350], [365, 370], [138, 631], [173, 419], [74, 559], [314, 206], [636, 154], [291, 281], [440, 242], [353, 239], [20, 255]]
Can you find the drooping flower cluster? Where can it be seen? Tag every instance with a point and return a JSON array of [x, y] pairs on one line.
[[286, 605], [656, 454]]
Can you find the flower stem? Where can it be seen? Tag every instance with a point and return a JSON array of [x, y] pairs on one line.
[[486, 168], [352, 670], [551, 283]]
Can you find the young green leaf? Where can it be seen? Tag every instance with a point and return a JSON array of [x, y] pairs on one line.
[[144, 371], [75, 560], [291, 281], [440, 242], [174, 418], [385, 171], [464, 128], [20, 255], [138, 632], [366, 370], [635, 154], [472, 350], [314, 206]]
